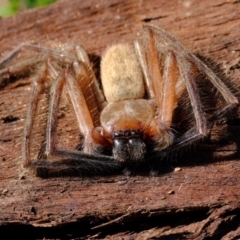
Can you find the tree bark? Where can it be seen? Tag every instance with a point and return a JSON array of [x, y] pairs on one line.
[[196, 201]]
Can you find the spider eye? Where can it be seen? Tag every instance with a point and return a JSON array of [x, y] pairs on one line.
[[129, 149]]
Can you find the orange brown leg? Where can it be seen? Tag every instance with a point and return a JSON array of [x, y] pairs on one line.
[[37, 86], [160, 87]]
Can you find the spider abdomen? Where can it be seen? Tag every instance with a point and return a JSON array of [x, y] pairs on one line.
[[121, 74]]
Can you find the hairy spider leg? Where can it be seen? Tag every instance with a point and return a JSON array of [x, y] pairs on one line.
[[10, 56], [55, 96], [18, 68], [200, 120], [98, 93], [159, 87], [81, 109], [37, 85]]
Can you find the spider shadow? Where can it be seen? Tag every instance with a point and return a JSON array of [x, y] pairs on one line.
[[228, 132]]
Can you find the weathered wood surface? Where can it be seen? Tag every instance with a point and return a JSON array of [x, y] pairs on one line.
[[201, 200]]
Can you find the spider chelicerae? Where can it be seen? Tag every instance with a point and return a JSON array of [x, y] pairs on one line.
[[153, 97]]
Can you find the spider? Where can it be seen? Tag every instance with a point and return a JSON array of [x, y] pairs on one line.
[[154, 97]]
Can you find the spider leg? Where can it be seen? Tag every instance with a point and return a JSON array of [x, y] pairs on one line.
[[10, 56], [169, 95], [55, 96], [19, 68], [80, 105], [140, 51], [161, 88], [84, 78], [200, 130], [37, 86], [188, 76], [98, 94]]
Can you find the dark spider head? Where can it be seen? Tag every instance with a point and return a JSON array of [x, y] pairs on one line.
[[128, 146]]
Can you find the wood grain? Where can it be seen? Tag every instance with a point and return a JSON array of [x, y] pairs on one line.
[[202, 198]]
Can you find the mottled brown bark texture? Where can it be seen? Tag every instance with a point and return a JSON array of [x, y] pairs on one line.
[[201, 201]]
